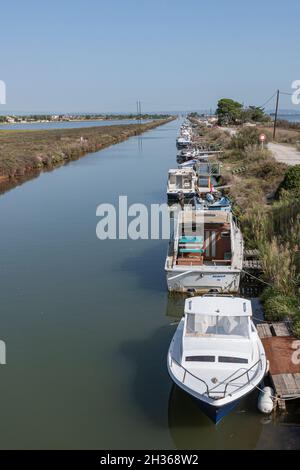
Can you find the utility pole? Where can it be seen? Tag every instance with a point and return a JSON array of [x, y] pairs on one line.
[[276, 114], [140, 112]]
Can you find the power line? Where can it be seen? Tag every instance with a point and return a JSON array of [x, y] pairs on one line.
[[263, 105], [285, 93], [274, 94]]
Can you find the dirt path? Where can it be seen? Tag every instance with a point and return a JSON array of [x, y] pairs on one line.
[[285, 153]]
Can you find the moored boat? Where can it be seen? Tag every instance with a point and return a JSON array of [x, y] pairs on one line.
[[205, 252], [216, 355], [181, 182]]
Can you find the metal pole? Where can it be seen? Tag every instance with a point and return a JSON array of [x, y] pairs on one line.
[[140, 110], [276, 113]]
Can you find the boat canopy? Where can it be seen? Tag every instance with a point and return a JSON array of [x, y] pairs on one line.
[[219, 306], [215, 325]]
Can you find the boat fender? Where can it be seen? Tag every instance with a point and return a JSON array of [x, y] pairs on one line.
[[265, 401]]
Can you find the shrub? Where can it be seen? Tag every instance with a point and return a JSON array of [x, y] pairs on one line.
[[278, 266], [296, 328], [279, 307], [291, 181], [248, 136]]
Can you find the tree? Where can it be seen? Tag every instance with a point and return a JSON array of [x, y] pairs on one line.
[[254, 114], [228, 111]]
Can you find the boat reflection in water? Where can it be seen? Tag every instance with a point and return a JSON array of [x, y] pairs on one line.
[[190, 428]]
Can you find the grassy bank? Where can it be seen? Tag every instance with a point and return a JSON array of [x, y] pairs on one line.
[[266, 201], [24, 154]]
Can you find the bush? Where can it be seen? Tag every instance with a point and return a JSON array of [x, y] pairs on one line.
[[279, 307], [248, 136], [296, 328], [277, 262], [291, 181]]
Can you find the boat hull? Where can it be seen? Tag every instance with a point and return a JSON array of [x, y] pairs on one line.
[[203, 282], [216, 413]]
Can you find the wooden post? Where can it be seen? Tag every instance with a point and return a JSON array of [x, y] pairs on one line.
[[276, 114]]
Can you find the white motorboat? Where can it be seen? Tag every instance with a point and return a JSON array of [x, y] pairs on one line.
[[181, 181], [183, 142], [216, 355]]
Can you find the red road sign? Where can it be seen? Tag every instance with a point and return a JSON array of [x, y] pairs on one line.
[[262, 137]]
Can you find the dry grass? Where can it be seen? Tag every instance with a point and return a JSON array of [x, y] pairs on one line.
[[26, 152], [269, 224], [283, 135]]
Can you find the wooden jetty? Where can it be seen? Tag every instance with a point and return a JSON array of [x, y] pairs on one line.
[[251, 286], [251, 260], [283, 353]]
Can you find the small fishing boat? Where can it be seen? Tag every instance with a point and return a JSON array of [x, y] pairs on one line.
[[183, 141], [181, 181], [205, 252], [188, 164], [216, 355]]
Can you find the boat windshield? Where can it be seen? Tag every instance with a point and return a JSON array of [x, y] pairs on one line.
[[213, 325]]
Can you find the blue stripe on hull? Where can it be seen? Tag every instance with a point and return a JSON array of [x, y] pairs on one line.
[[216, 413]]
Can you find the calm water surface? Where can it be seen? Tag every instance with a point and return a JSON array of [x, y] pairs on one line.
[[87, 323], [67, 124]]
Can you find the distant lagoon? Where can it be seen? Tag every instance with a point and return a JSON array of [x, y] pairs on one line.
[[68, 124], [289, 117]]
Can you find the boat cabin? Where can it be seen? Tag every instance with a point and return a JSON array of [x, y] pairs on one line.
[[206, 243], [181, 180], [208, 320]]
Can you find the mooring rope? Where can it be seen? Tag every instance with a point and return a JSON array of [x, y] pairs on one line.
[[257, 278]]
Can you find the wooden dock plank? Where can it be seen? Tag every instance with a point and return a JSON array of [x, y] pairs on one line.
[[297, 379], [264, 330], [278, 383], [290, 384], [284, 372], [280, 329], [251, 253], [285, 385], [251, 264], [279, 352]]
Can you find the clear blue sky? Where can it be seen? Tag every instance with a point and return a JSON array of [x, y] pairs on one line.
[[97, 55]]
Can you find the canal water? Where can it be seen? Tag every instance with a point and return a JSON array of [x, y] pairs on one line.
[[87, 323]]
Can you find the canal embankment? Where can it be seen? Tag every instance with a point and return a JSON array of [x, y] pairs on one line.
[[24, 154]]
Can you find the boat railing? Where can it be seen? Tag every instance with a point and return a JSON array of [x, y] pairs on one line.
[[189, 373], [246, 372], [220, 394]]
